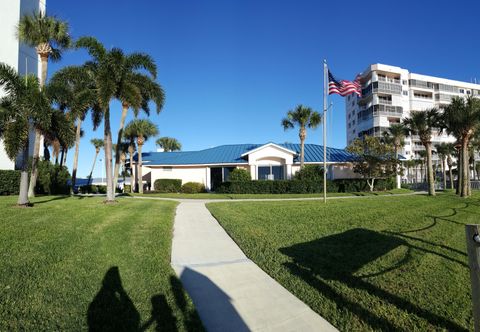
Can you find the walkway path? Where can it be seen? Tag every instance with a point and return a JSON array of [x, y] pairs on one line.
[[229, 291]]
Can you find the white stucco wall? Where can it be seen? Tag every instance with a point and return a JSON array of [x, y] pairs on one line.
[[185, 173], [21, 57], [270, 155]]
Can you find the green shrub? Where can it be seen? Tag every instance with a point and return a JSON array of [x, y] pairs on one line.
[[193, 188], [301, 186], [101, 189], [127, 188], [9, 182], [239, 175], [310, 173], [407, 185], [52, 179], [167, 185]]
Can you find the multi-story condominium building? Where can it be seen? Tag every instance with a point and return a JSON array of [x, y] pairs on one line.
[[390, 93], [14, 53]]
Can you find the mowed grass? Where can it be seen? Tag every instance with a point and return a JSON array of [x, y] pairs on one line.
[[70, 264], [385, 263], [268, 196]]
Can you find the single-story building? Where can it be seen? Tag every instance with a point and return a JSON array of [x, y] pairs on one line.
[[264, 162]]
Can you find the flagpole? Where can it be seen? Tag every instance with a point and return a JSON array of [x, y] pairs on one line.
[[324, 119]]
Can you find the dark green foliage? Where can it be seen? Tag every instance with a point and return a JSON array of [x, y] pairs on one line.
[[193, 188], [301, 186], [168, 185], [240, 174], [310, 173], [9, 182], [93, 189], [126, 188], [52, 179]]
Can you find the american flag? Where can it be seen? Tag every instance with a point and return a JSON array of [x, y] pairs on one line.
[[344, 87]]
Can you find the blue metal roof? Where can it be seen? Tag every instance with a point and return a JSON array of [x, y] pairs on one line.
[[231, 154]]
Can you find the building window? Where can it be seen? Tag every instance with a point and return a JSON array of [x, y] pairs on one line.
[[405, 93], [226, 173], [271, 172], [404, 82], [468, 92], [462, 91]]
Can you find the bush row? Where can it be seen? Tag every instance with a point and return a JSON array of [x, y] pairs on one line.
[[301, 186], [93, 189], [167, 185], [9, 182]]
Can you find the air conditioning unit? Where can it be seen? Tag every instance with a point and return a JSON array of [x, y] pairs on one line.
[[270, 177]]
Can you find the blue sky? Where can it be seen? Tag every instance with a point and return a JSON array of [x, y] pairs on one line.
[[231, 69]]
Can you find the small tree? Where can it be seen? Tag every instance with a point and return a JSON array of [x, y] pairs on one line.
[[374, 159], [240, 175], [310, 173]]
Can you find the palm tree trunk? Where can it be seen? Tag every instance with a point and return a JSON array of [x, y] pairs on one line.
[[107, 137], [38, 135], [459, 171], [444, 172], [23, 192], [397, 175], [35, 160], [450, 175], [139, 169], [465, 166], [431, 183], [303, 136], [132, 182], [119, 141], [75, 156], [93, 167], [62, 157]]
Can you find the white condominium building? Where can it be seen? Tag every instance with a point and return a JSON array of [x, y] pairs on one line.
[[21, 57], [390, 93]]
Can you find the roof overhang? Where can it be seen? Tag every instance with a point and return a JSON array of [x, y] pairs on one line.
[[269, 145]]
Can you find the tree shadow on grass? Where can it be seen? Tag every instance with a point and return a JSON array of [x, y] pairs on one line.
[[338, 257], [113, 310], [49, 199]]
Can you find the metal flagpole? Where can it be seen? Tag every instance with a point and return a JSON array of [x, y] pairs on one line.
[[324, 119]]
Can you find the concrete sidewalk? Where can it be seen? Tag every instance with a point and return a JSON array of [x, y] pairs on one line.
[[230, 292]]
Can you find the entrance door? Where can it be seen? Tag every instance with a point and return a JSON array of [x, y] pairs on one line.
[[215, 177]]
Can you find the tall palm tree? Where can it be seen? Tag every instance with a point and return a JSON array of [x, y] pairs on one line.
[[169, 144], [443, 151], [396, 136], [134, 90], [50, 37], [103, 71], [142, 129], [98, 144], [423, 124], [304, 117], [23, 104], [76, 94], [461, 118]]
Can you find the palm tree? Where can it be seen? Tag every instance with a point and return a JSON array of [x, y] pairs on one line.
[[450, 151], [396, 136], [135, 90], [75, 93], [443, 151], [98, 144], [304, 117], [423, 123], [169, 144], [50, 37], [130, 139], [103, 71], [461, 118], [142, 129], [23, 104]]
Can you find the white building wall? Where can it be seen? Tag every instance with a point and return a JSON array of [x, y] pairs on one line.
[[21, 57], [185, 173]]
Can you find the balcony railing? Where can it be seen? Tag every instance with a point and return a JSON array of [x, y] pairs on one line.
[[389, 79]]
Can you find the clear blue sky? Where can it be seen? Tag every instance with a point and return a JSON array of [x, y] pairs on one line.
[[231, 69]]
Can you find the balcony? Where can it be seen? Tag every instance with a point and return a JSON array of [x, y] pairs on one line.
[[388, 79]]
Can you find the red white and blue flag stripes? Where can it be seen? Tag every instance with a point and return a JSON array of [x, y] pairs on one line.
[[343, 87]]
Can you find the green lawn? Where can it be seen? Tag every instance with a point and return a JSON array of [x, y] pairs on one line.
[[69, 264], [250, 196], [365, 264]]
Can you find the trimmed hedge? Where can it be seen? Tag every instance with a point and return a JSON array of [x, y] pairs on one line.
[[93, 189], [239, 174], [9, 182], [167, 185], [301, 186], [193, 188]]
